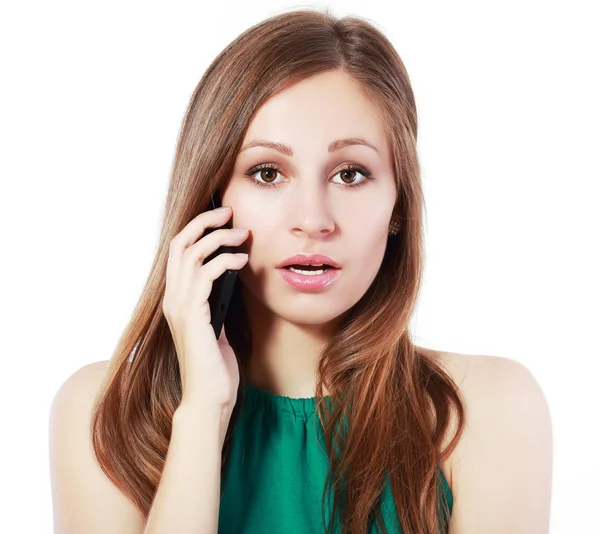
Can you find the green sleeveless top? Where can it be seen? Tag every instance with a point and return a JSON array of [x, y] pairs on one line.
[[276, 471]]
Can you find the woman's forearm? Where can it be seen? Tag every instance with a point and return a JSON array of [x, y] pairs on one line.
[[188, 496]]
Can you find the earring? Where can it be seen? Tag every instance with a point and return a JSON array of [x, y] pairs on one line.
[[394, 228]]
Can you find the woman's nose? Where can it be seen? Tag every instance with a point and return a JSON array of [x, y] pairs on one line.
[[310, 212]]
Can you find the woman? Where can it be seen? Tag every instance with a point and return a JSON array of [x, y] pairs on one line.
[[313, 411]]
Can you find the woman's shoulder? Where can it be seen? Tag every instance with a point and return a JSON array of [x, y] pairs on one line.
[[82, 494], [96, 373], [476, 376], [87, 379], [507, 421]]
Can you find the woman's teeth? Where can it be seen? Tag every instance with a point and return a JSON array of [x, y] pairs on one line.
[[298, 271]]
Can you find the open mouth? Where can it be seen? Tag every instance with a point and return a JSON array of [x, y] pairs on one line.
[[308, 269], [309, 277]]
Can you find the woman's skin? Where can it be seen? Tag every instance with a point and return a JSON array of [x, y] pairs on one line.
[[311, 209]]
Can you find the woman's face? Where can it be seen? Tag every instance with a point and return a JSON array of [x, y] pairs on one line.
[[312, 205]]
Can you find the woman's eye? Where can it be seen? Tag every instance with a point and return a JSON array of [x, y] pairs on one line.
[[268, 175], [349, 174]]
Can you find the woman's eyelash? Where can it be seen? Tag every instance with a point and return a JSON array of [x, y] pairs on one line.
[[350, 167]]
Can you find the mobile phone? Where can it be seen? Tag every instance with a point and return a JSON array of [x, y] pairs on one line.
[[223, 286]]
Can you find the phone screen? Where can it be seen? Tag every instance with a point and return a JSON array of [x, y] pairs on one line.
[[223, 286]]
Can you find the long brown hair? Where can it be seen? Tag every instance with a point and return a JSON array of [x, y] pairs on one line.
[[398, 400]]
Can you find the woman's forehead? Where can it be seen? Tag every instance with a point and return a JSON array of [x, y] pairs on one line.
[[320, 110]]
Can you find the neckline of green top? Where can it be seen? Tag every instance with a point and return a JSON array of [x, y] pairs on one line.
[[260, 399]]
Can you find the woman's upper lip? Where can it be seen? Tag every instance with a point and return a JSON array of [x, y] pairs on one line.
[[306, 259]]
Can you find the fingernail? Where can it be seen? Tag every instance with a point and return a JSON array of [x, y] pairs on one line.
[[223, 208]]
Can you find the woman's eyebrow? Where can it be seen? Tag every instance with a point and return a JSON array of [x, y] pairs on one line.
[[287, 151]]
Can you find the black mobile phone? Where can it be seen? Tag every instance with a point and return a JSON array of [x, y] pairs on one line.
[[223, 286]]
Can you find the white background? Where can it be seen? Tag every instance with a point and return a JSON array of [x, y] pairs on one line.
[[92, 96]]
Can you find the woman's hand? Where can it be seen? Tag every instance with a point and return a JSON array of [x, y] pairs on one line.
[[208, 367]]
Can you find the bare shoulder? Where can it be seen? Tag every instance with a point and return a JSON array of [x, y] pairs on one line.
[[501, 470], [83, 386], [83, 498]]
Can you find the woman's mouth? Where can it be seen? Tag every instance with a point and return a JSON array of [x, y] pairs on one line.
[[309, 277]]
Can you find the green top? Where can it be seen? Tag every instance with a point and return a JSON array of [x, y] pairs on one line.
[[277, 471]]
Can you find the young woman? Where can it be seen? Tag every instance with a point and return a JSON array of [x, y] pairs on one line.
[[313, 411]]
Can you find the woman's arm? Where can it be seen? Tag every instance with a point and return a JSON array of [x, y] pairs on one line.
[[503, 464], [188, 496]]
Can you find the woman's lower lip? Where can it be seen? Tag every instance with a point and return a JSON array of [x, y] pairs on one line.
[[309, 282]]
